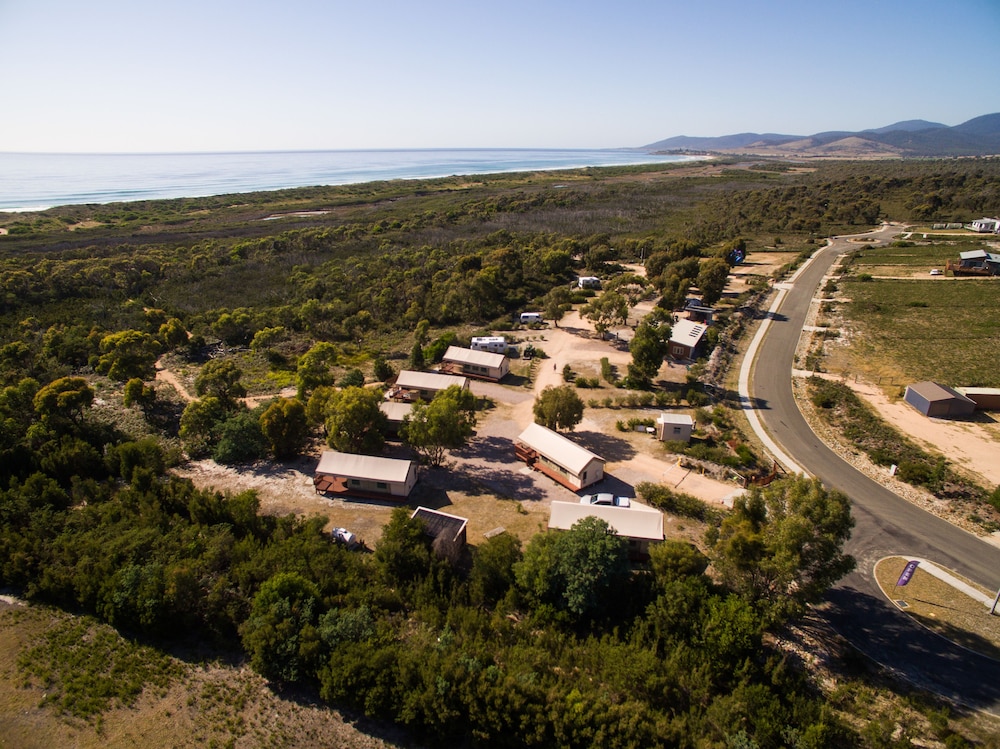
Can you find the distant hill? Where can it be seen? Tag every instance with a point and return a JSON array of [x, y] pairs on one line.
[[911, 138]]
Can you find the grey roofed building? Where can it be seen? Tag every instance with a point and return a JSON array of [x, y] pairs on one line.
[[685, 335], [472, 363], [443, 525], [640, 524], [364, 475], [935, 400], [559, 458], [411, 385]]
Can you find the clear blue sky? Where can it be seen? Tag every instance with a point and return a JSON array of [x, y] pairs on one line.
[[202, 75]]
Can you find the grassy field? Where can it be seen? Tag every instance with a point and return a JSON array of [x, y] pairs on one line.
[[941, 329]]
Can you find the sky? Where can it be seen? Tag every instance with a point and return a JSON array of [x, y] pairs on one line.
[[111, 76]]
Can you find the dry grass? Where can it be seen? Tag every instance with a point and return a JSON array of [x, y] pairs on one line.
[[942, 608]]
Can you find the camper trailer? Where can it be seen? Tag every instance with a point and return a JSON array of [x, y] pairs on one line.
[[495, 344], [530, 317]]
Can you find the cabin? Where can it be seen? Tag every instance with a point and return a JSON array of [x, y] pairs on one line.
[[411, 386], [674, 427], [495, 344], [395, 412], [938, 401], [559, 458], [642, 526], [482, 365], [976, 263], [365, 476], [685, 337]]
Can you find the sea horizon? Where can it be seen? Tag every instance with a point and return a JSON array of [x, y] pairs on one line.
[[35, 181]]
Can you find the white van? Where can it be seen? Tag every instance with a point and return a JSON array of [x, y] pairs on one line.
[[530, 317]]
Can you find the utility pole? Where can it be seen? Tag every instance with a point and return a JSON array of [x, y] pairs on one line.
[[995, 601]]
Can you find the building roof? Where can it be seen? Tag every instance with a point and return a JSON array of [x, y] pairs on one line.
[[468, 356], [395, 411], [637, 521], [933, 392], [973, 255], [670, 418], [687, 332], [364, 466], [412, 380], [558, 449], [441, 523]]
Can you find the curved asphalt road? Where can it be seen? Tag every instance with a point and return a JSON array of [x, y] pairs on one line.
[[885, 524]]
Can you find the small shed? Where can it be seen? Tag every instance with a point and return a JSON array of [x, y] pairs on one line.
[[482, 365], [685, 336], [674, 427], [640, 524], [559, 458], [441, 525], [939, 401], [364, 476], [411, 385]]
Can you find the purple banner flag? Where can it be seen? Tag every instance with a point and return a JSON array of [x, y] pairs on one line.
[[907, 573]]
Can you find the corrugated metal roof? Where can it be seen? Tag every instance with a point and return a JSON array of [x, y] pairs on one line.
[[932, 392], [666, 418], [637, 521], [439, 523], [558, 449], [363, 466], [395, 411], [412, 380], [468, 356], [687, 332]]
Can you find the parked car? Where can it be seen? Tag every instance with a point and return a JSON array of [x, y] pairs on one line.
[[937, 272], [344, 537], [605, 498]]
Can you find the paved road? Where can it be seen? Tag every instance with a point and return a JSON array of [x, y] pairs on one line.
[[885, 523]]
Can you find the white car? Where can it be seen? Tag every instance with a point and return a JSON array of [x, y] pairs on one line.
[[605, 498], [344, 537], [937, 272]]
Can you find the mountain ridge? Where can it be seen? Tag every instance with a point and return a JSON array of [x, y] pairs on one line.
[[979, 136]]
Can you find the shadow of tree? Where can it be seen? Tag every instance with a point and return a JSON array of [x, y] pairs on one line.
[[612, 485], [612, 449]]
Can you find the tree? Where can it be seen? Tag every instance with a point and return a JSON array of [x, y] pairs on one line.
[[200, 424], [284, 425], [280, 634], [403, 553], [446, 423], [782, 546], [354, 421], [558, 407], [381, 369], [220, 378], [712, 277], [610, 308], [492, 573], [314, 368], [580, 571], [128, 354], [65, 398], [648, 347], [555, 303], [172, 334], [138, 393], [241, 439], [416, 361]]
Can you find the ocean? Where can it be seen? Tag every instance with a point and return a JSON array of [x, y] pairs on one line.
[[30, 182]]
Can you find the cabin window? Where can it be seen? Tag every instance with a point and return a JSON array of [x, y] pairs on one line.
[[381, 485], [355, 482]]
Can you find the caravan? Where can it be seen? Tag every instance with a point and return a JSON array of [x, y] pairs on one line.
[[495, 344], [530, 317]]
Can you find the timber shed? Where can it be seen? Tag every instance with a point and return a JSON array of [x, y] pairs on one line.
[[441, 525], [364, 476], [639, 524], [482, 365], [938, 401], [559, 458], [685, 336]]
